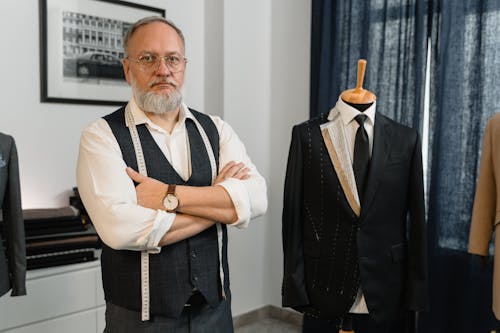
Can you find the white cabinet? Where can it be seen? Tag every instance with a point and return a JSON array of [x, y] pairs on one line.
[[82, 322], [60, 299], [101, 323]]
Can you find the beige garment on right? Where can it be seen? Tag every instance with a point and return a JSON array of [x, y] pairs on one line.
[[486, 211]]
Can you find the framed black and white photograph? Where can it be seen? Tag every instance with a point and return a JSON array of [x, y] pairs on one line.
[[81, 48]]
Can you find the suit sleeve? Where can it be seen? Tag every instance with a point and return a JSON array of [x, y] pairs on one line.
[[417, 292], [483, 212], [14, 224], [293, 290]]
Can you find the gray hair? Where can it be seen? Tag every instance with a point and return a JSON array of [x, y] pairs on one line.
[[148, 20]]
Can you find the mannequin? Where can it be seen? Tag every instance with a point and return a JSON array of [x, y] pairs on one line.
[[358, 96], [485, 212], [347, 259], [361, 100], [13, 260]]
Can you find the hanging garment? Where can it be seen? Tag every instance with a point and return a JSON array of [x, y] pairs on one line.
[[12, 241], [486, 210], [336, 244]]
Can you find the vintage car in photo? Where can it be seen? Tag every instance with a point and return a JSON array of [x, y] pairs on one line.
[[99, 65]]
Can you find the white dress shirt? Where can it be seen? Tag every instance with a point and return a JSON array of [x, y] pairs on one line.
[[109, 194], [348, 113]]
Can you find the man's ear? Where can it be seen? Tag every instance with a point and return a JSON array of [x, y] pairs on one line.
[[126, 70]]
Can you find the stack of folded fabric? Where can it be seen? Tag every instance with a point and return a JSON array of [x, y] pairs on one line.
[[58, 236]]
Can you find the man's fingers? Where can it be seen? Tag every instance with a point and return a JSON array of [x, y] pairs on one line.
[[243, 170], [227, 167], [234, 170], [135, 176], [242, 173]]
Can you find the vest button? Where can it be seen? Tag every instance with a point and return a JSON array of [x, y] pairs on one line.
[[193, 254], [195, 278]]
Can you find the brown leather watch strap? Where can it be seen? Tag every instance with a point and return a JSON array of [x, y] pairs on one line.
[[171, 189]]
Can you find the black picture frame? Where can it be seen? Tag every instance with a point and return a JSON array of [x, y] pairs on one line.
[[81, 46]]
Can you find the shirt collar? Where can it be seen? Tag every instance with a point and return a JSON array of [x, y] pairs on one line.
[[348, 113], [140, 116]]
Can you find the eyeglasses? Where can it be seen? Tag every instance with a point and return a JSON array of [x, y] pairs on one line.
[[150, 62]]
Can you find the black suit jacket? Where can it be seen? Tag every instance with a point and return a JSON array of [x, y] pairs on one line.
[[388, 235], [13, 258]]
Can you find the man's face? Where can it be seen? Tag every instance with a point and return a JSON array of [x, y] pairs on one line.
[[154, 39]]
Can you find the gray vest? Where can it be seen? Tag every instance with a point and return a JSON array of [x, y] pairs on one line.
[[179, 267]]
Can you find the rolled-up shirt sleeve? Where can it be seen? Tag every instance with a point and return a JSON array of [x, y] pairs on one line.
[[109, 195], [249, 196]]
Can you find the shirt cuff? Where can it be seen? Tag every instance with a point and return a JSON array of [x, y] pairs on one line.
[[239, 196], [161, 225]]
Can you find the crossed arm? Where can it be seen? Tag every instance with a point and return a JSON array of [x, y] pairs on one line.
[[133, 218], [199, 207]]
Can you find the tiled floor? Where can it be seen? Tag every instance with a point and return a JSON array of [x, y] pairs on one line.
[[268, 325]]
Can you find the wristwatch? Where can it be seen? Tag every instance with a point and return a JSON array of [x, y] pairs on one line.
[[170, 201]]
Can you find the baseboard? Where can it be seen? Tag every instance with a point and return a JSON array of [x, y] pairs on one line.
[[268, 311]]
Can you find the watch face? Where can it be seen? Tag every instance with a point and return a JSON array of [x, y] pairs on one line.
[[170, 202]]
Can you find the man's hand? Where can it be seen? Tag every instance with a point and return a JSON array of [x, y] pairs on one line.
[[150, 192], [232, 170]]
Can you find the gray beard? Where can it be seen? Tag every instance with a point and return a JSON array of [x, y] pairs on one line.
[[156, 103]]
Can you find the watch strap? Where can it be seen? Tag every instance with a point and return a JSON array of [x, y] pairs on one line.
[[171, 189]]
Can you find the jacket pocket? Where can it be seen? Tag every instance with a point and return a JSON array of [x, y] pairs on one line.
[[398, 252]]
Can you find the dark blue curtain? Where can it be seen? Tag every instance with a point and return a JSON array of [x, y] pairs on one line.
[[391, 35], [465, 78], [464, 92]]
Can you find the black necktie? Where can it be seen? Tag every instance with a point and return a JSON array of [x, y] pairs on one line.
[[361, 162]]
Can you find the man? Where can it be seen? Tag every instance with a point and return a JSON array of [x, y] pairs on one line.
[[164, 259]]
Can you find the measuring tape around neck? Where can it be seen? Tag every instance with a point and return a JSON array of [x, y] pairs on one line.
[[141, 165]]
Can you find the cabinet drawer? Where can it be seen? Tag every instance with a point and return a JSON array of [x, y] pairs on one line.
[[83, 322], [51, 295]]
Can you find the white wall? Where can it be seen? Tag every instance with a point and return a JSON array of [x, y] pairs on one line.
[[247, 97], [290, 58], [266, 92], [248, 62], [214, 58]]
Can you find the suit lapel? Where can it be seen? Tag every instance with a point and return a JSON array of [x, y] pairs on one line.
[[335, 140], [381, 140]]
